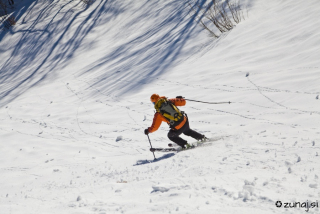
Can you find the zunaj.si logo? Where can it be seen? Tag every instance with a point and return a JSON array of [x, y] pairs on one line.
[[306, 205]]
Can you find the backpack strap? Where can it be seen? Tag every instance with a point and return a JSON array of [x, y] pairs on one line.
[[170, 117], [158, 104]]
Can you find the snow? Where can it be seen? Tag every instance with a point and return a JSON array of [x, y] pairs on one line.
[[75, 84]]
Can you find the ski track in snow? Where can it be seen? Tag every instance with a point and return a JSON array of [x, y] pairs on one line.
[[71, 134]]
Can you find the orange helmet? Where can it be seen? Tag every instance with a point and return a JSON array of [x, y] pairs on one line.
[[154, 98]]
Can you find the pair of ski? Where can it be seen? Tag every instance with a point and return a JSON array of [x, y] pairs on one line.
[[177, 149]]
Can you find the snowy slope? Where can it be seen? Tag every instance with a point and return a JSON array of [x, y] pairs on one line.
[[75, 84]]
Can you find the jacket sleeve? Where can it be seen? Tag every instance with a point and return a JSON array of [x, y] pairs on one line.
[[178, 101], [157, 120]]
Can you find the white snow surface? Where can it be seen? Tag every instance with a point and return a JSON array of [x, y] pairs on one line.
[[75, 83]]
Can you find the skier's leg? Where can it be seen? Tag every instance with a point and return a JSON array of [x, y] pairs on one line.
[[192, 133], [173, 135]]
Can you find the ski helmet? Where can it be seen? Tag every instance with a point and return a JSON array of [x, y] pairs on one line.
[[154, 98]]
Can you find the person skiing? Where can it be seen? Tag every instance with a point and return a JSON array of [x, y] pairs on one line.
[[167, 111]]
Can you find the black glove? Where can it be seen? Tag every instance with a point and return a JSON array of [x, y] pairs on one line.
[[181, 97], [146, 131]]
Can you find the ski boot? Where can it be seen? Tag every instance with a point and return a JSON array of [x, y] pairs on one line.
[[187, 146], [202, 140]]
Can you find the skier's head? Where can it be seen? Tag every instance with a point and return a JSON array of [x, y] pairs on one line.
[[154, 98]]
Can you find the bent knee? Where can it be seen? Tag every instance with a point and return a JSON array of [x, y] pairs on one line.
[[171, 135]]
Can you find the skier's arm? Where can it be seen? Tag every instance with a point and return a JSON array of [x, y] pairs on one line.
[[157, 120], [178, 101]]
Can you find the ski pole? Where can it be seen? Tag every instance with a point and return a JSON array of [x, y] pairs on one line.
[[151, 147], [209, 102]]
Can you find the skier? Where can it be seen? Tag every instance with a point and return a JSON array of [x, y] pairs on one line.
[[176, 119]]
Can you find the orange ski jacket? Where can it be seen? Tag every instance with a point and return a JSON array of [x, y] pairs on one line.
[[158, 118]]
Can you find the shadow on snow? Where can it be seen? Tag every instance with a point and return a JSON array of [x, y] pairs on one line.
[[142, 162], [43, 48], [127, 67]]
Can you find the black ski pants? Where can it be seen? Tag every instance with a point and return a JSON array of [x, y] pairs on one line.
[[173, 135]]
